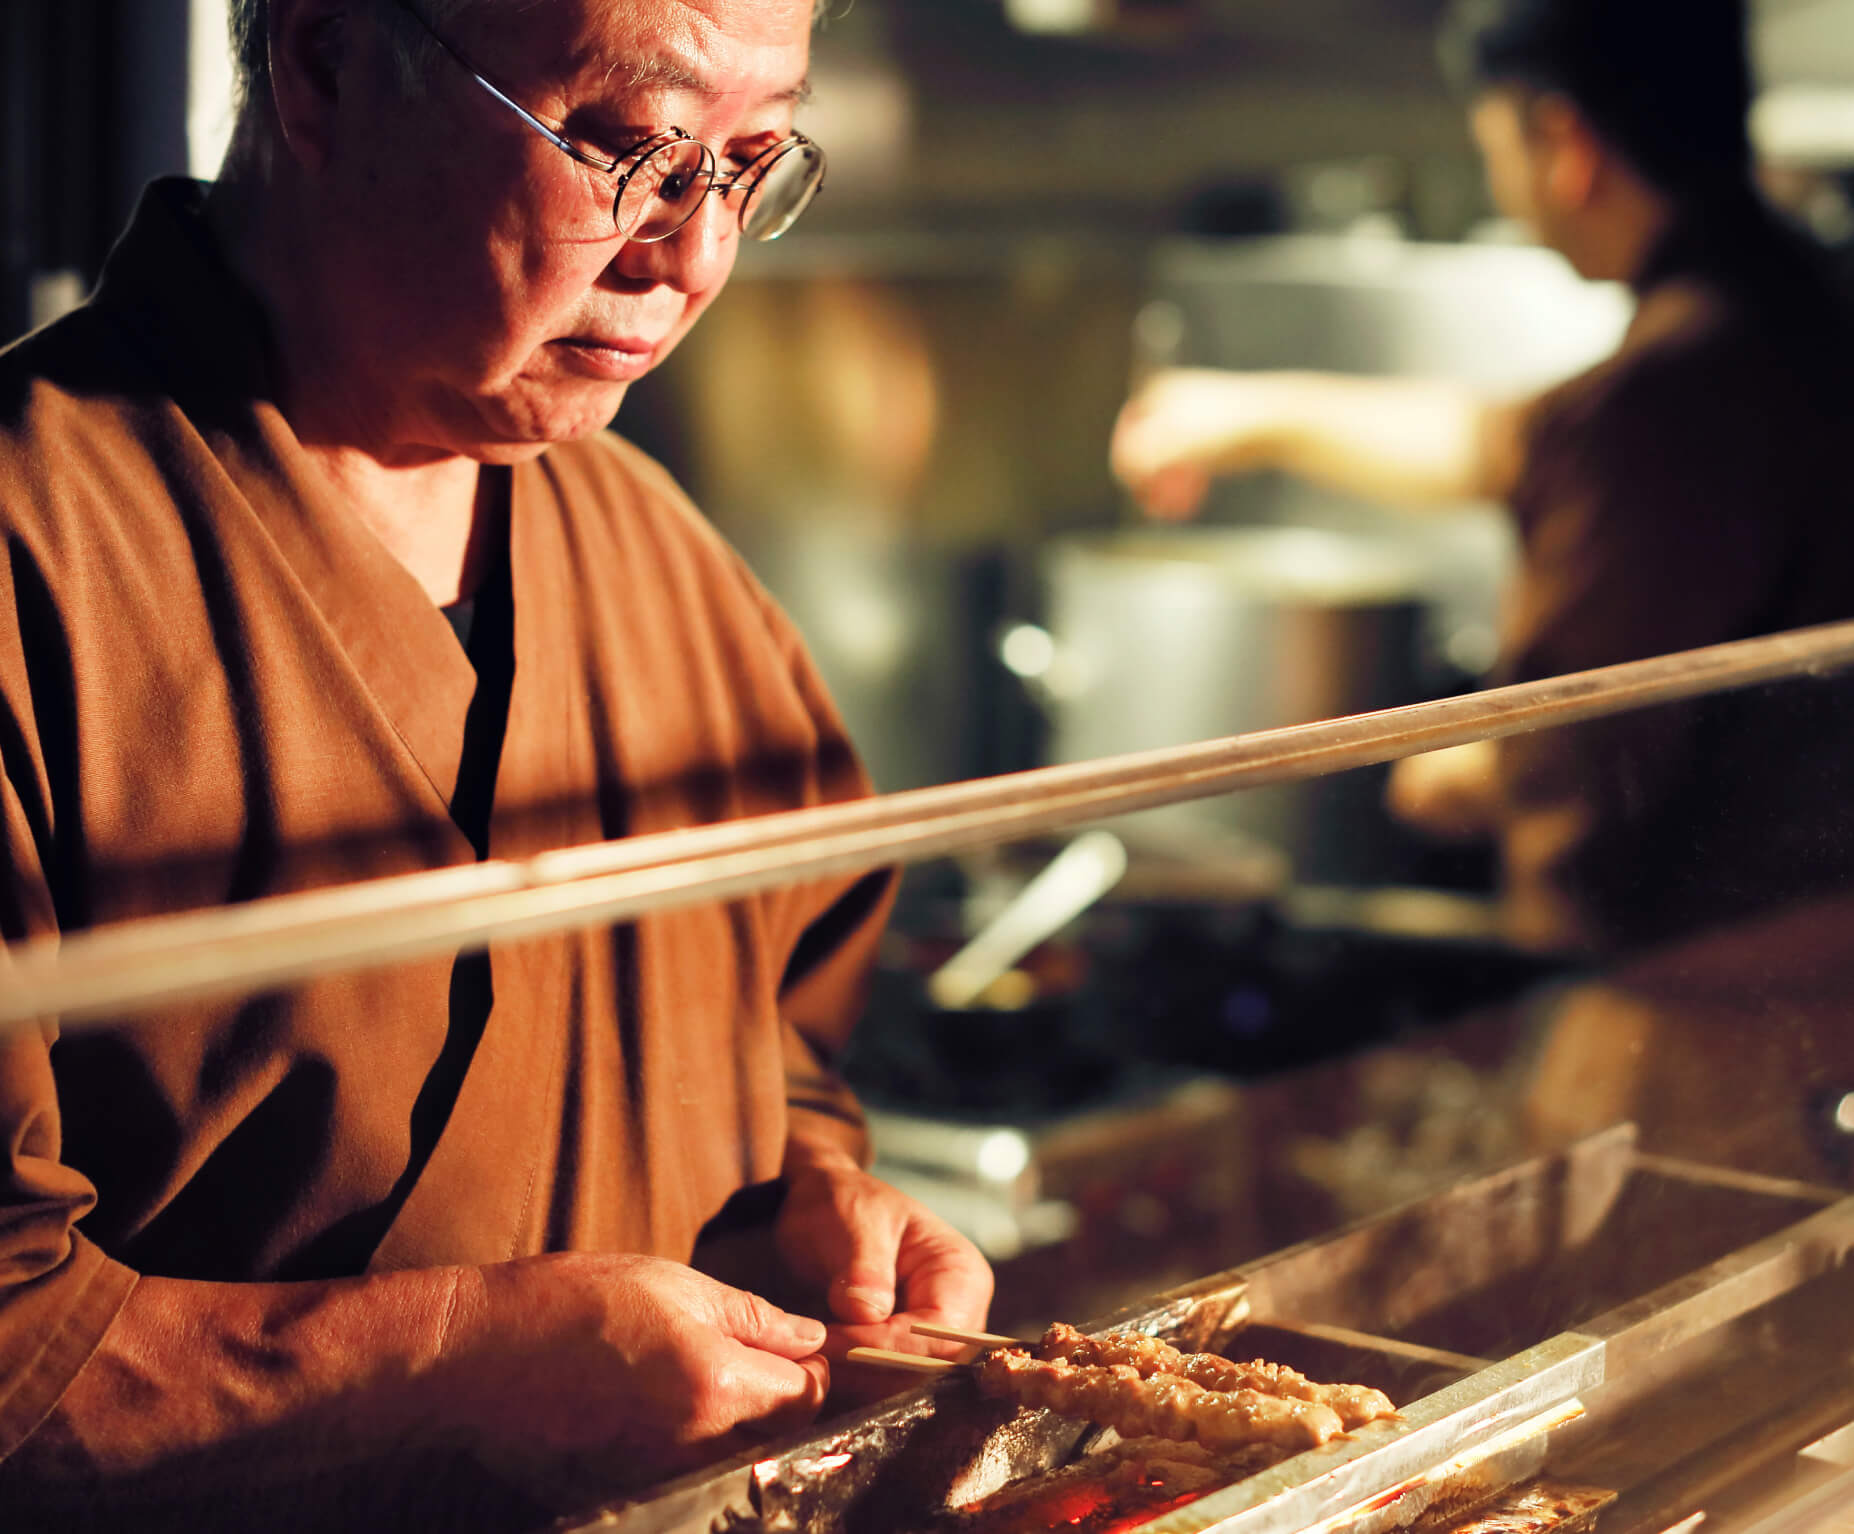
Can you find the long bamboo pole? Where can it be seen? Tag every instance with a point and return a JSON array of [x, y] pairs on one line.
[[110, 972]]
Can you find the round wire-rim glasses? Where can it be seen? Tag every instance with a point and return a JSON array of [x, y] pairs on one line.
[[671, 173]]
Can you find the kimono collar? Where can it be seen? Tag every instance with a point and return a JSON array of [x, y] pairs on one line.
[[168, 284]]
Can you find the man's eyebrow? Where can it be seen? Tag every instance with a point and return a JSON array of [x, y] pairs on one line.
[[666, 73]]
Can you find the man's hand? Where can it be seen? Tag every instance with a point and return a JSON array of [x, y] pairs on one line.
[[1187, 426], [880, 1260], [573, 1375], [1452, 795], [643, 1362], [1415, 443]]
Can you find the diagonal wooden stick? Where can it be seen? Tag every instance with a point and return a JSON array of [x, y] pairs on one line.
[[107, 973]]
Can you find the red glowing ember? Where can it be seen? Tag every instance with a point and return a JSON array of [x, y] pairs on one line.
[[1089, 1506]]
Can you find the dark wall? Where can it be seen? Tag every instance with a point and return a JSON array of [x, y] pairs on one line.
[[1130, 129], [92, 105]]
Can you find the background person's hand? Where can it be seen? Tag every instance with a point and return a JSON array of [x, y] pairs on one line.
[[1185, 427], [632, 1368], [880, 1260], [1452, 794]]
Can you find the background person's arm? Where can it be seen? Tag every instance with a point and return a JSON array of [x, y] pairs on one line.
[[1417, 443]]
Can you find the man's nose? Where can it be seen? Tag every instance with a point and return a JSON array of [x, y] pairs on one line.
[[696, 257]]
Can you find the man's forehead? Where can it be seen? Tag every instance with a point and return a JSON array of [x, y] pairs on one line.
[[709, 48], [664, 71]]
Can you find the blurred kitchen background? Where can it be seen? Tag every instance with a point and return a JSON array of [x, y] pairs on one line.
[[900, 414]]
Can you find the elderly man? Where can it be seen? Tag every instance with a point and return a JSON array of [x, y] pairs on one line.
[[254, 1254], [1692, 489]]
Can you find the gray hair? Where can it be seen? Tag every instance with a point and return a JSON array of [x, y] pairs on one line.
[[414, 51]]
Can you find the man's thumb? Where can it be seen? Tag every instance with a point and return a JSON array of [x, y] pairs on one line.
[[760, 1324], [865, 1292]]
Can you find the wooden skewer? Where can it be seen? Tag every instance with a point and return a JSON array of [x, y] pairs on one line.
[[884, 1358], [1371, 1342], [1239, 1312], [970, 1339], [111, 972]]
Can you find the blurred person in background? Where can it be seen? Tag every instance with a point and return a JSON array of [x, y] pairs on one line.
[[321, 566], [1692, 489]]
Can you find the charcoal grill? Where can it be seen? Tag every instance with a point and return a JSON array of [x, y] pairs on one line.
[[1653, 1336]]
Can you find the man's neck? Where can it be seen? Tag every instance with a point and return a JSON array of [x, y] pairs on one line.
[[444, 521]]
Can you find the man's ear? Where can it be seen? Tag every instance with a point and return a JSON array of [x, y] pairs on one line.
[[1570, 151], [307, 41]]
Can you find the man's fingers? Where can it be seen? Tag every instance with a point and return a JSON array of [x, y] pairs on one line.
[[944, 1277], [1164, 476], [880, 1249], [800, 1411], [1174, 494], [790, 1336], [761, 1325], [769, 1393], [767, 1387], [1123, 454], [863, 1294], [862, 1289], [954, 1293]]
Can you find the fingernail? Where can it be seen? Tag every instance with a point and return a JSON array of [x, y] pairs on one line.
[[879, 1304], [807, 1332]]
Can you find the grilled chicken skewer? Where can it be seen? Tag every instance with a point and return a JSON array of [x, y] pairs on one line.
[[1355, 1404], [1142, 1386], [1161, 1405]]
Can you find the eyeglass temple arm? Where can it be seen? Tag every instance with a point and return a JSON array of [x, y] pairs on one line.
[[565, 145]]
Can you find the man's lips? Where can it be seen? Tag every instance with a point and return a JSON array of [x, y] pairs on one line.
[[613, 358]]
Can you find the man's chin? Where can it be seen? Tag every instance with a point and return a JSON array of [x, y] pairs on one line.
[[589, 423], [523, 439]]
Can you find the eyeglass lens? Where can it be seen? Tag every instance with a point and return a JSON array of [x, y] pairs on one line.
[[780, 189], [664, 189]]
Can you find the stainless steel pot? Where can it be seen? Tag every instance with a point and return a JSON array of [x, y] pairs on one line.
[[1157, 638]]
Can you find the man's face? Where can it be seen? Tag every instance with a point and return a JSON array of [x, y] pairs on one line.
[[481, 291], [1500, 121]]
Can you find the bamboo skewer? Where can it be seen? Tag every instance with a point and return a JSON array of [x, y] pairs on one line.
[[915, 1363], [1239, 1312], [109, 972], [970, 1339], [1346, 1336], [977, 1342]]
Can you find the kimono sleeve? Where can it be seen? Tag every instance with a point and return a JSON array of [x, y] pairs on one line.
[[825, 989], [839, 924], [58, 1292]]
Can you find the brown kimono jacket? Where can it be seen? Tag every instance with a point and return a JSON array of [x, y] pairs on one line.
[[1696, 488], [216, 685]]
